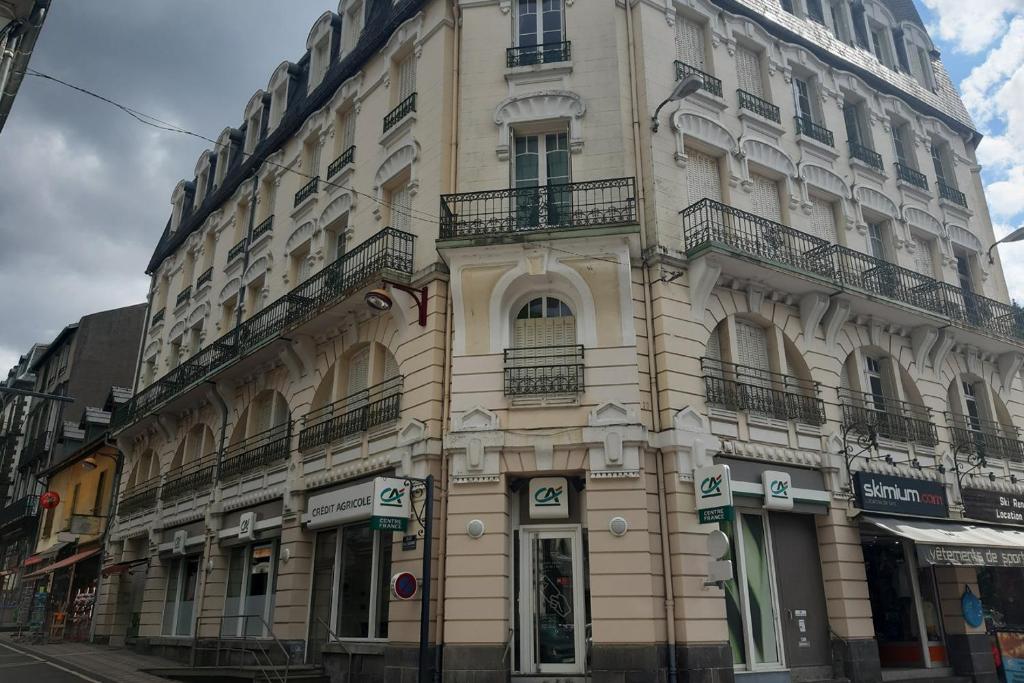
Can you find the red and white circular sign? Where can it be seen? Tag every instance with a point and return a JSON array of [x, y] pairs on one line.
[[404, 585]]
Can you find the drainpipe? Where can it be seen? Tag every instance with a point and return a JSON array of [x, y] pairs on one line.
[[453, 165], [670, 621], [23, 52], [111, 514]]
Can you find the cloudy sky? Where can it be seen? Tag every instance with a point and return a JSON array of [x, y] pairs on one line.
[[85, 190]]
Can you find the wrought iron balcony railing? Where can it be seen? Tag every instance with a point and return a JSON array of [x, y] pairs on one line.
[[950, 193], [237, 250], [808, 128], [389, 252], [19, 510], [259, 450], [306, 191], [353, 414], [548, 53], [157, 318], [544, 370], [191, 477], [708, 82], [911, 176], [888, 417], [183, 296], [206, 277], [37, 446], [867, 155], [343, 160], [709, 224], [267, 224], [747, 389], [404, 108], [985, 438], [587, 204], [762, 108], [140, 497]]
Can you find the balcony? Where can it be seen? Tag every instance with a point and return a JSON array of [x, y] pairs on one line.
[[762, 108], [343, 160], [192, 477], [353, 414], [951, 194], [36, 447], [19, 511], [867, 155], [205, 278], [985, 438], [257, 451], [266, 226], [911, 177], [237, 250], [542, 370], [808, 128], [889, 418], [388, 254], [404, 108], [710, 225], [568, 206], [304, 193], [139, 498], [708, 82], [157, 318], [183, 296], [530, 55], [745, 389]]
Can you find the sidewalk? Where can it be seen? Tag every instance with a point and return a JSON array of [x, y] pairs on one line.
[[107, 664]]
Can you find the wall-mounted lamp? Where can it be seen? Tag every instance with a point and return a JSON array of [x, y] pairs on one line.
[[1015, 236], [684, 88], [379, 300], [618, 526], [475, 528]]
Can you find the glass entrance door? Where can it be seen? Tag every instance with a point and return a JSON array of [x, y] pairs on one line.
[[552, 611]]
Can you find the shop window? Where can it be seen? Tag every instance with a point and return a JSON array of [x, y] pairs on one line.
[[180, 597], [751, 604], [249, 597], [351, 573], [703, 177]]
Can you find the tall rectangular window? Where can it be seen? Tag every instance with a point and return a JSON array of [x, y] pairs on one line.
[[853, 128], [876, 242], [901, 50], [881, 46], [249, 595], [539, 22], [765, 197], [401, 208], [751, 607], [748, 69], [787, 5], [542, 161], [899, 141], [860, 29], [406, 77], [690, 42], [703, 177], [180, 596], [802, 96], [815, 11], [823, 219], [923, 261]]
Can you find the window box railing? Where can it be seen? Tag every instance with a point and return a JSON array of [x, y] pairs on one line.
[[157, 318], [867, 155], [912, 177], [192, 477], [708, 82], [206, 277], [950, 193], [985, 438], [541, 370], [762, 108], [888, 418], [353, 414], [529, 55], [343, 160], [404, 108], [747, 389], [305, 192], [587, 204], [138, 498], [264, 227], [259, 450], [808, 128], [237, 250], [21, 509], [183, 296], [389, 252]]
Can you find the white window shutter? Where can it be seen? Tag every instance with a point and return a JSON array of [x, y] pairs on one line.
[[261, 418], [714, 350], [690, 42], [390, 366], [748, 68], [703, 177], [823, 219], [752, 351], [358, 371], [400, 209], [923, 262], [406, 77], [766, 198], [348, 129]]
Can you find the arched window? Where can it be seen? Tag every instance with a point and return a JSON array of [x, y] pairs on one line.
[[544, 321], [878, 394], [197, 444], [980, 422]]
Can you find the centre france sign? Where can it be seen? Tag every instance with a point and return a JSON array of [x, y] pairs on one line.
[[713, 488], [900, 495]]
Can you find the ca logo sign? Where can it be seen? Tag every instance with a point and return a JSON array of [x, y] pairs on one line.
[[392, 497], [779, 489], [548, 496], [711, 487]]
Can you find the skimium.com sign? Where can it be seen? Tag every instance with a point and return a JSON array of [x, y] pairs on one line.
[[713, 489], [900, 495], [549, 498]]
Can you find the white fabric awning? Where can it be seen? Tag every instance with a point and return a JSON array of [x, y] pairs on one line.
[[954, 543]]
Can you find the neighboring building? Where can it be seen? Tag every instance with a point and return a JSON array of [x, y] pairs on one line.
[[585, 312], [82, 362], [20, 24]]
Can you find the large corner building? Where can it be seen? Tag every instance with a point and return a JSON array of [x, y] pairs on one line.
[[789, 276]]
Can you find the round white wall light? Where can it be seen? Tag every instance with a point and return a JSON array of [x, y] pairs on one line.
[[475, 528], [618, 526]]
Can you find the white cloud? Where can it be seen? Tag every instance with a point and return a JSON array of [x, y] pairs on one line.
[[971, 30]]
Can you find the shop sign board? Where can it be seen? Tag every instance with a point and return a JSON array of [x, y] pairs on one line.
[[339, 506], [993, 506], [390, 504], [969, 555], [899, 495], [549, 498], [712, 486], [247, 526], [778, 490]]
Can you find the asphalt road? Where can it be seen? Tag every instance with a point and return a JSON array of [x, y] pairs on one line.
[[20, 667]]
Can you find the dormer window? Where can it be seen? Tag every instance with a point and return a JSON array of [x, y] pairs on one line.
[[321, 60], [352, 26], [252, 132], [202, 181]]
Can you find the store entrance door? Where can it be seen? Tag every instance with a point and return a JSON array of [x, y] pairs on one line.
[[552, 615]]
